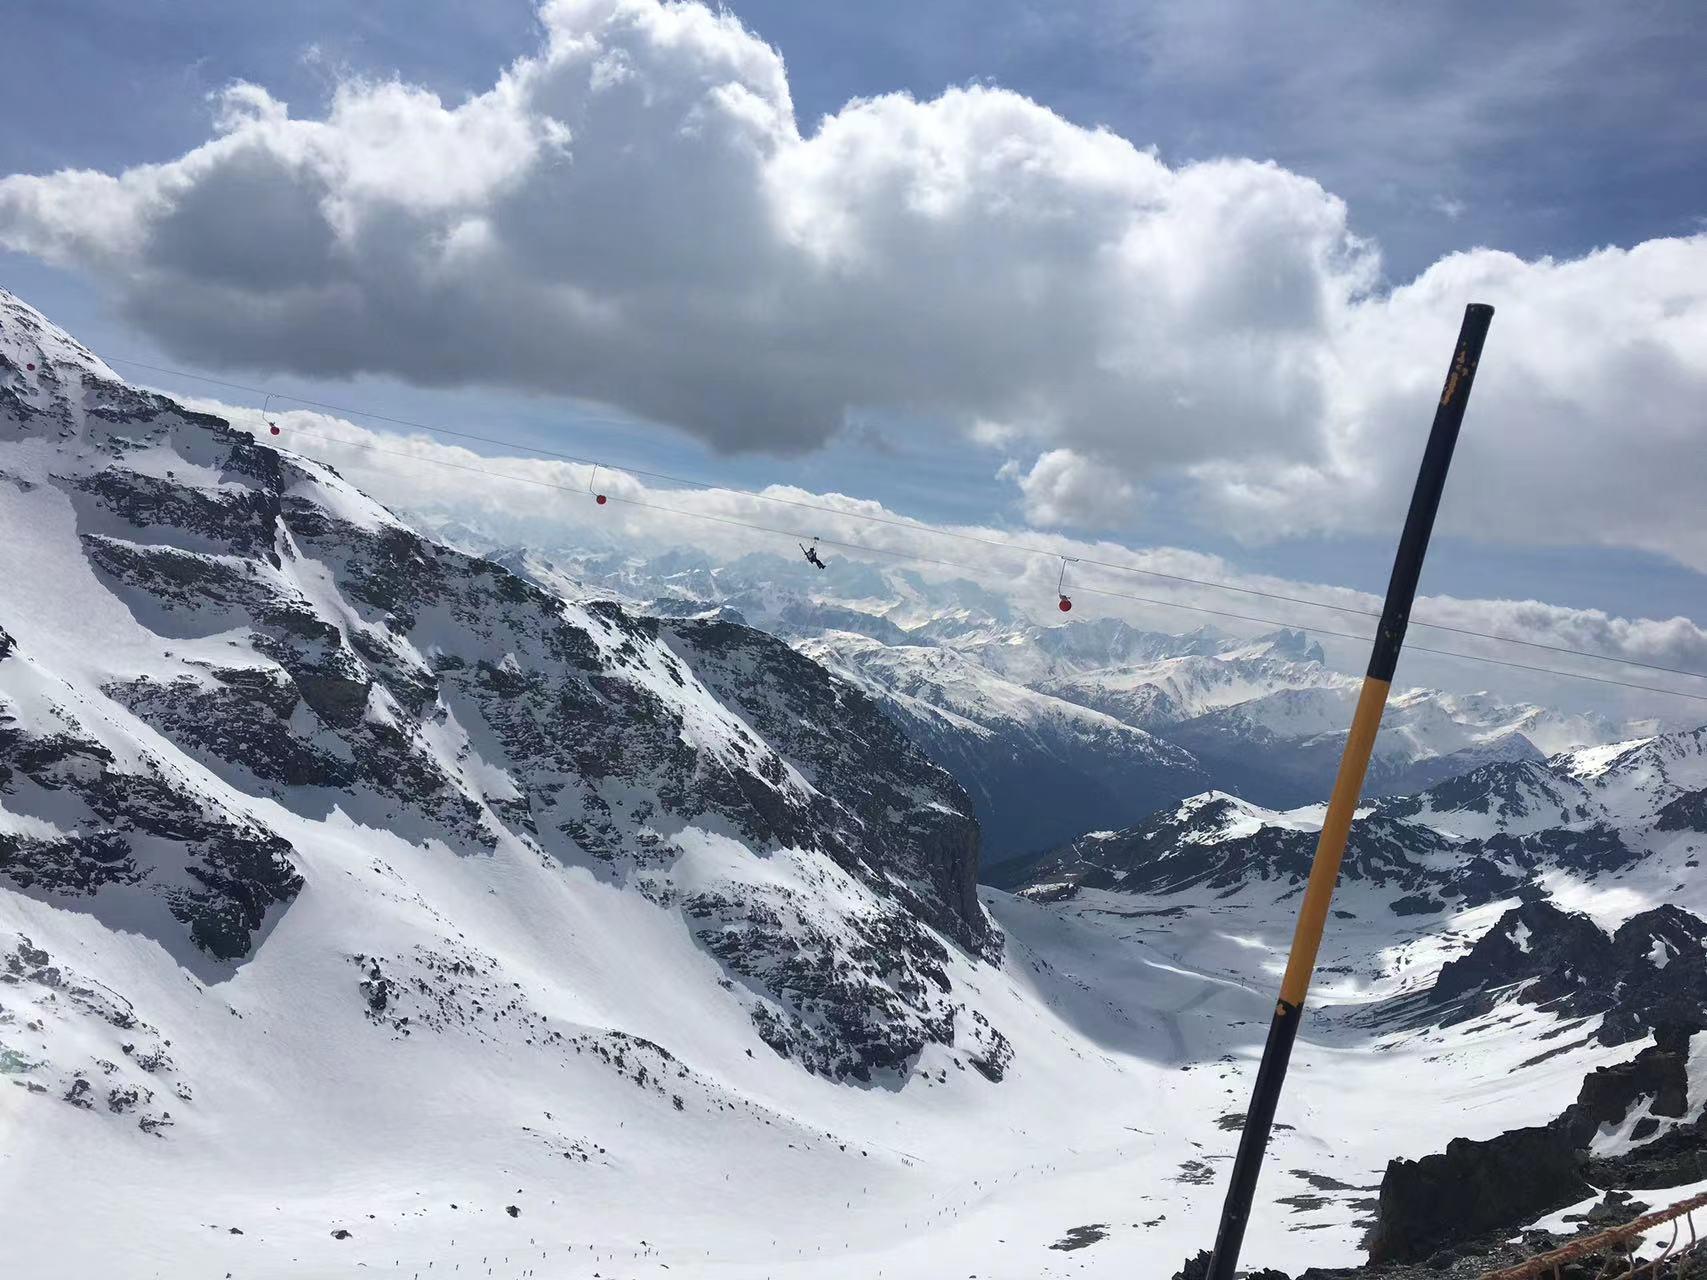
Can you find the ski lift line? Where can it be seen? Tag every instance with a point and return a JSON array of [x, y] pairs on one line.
[[455, 433], [912, 526], [914, 558], [938, 562], [1409, 648], [1554, 648], [651, 506], [380, 417], [916, 527]]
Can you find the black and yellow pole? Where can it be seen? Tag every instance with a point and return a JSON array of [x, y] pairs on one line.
[[1348, 786]]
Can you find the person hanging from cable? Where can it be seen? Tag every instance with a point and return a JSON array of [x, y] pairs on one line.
[[811, 554]]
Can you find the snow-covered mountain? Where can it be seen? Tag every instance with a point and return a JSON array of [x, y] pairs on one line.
[[1556, 909], [290, 796], [1082, 725], [1611, 830], [1034, 763], [1282, 747], [1266, 717], [367, 905]]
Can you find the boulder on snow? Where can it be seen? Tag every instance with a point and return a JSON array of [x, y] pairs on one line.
[[1660, 1072], [1471, 1188]]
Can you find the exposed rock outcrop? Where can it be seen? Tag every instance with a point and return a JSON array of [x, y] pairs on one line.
[[1652, 972], [1472, 1187]]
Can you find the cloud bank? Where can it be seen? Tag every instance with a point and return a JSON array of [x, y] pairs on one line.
[[547, 504], [633, 214]]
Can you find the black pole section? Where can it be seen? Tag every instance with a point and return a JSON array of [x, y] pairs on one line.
[[1425, 498], [1348, 786]]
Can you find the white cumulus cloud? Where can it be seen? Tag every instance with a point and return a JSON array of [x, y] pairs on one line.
[[633, 214], [1064, 488]]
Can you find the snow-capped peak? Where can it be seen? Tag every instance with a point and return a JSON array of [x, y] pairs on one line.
[[27, 337]]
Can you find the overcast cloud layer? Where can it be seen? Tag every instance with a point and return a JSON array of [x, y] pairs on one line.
[[634, 215]]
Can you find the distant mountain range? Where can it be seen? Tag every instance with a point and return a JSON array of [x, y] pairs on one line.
[[1084, 725], [1500, 831]]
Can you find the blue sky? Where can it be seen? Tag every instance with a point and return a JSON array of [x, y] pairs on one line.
[[1545, 130]]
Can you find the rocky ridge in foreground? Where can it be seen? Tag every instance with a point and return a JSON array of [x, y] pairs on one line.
[[1637, 1129]]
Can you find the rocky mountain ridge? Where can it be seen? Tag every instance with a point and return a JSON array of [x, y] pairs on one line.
[[1473, 838], [287, 644]]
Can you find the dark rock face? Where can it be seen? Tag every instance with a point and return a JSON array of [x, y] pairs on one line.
[[1652, 972], [1686, 813], [1503, 864], [1662, 974], [1452, 1200], [1197, 1268], [1659, 1072], [1506, 789], [1534, 940], [1481, 879], [1185, 848], [1189, 847], [1675, 1157], [1473, 1187], [216, 872], [813, 722], [246, 724], [834, 1018]]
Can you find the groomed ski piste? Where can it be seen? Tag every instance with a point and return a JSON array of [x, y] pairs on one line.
[[430, 1060]]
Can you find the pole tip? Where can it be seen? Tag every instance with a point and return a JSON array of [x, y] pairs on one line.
[[1480, 309]]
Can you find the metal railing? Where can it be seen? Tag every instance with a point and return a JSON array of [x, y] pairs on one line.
[[1621, 1243]]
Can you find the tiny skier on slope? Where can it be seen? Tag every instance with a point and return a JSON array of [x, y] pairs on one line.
[[811, 554]]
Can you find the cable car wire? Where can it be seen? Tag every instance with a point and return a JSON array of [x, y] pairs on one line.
[[912, 525], [939, 562]]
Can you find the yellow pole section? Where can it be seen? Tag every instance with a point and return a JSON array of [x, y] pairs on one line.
[[1342, 804], [1330, 847]]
